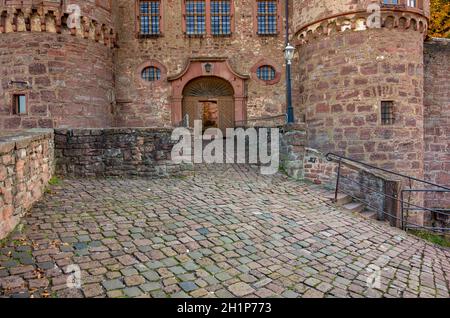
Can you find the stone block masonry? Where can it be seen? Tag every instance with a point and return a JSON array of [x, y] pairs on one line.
[[116, 152], [26, 166], [437, 118]]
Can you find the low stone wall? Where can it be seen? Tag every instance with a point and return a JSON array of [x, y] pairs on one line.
[[292, 150], [26, 166], [119, 152], [363, 183]]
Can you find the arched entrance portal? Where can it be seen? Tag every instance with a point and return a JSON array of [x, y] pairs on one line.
[[215, 85], [211, 100]]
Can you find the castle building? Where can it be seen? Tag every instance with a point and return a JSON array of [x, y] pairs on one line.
[[363, 80]]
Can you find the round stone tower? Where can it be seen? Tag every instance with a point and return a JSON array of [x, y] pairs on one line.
[[359, 79], [57, 57]]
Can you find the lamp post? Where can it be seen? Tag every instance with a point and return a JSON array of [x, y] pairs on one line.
[[288, 55]]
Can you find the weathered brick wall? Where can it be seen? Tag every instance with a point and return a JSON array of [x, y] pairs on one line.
[[437, 118], [343, 79], [71, 78], [374, 188], [140, 152], [69, 71], [26, 166], [141, 104]]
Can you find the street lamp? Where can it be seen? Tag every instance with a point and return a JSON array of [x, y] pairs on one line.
[[289, 55]]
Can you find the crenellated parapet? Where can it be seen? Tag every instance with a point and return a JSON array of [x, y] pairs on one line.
[[319, 18], [54, 17], [360, 22]]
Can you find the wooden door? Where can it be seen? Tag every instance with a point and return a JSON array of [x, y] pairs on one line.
[[191, 107], [226, 113]]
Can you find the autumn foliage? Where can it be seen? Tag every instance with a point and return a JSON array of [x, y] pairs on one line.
[[440, 19]]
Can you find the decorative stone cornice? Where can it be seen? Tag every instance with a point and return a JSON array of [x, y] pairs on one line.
[[48, 17], [358, 21]]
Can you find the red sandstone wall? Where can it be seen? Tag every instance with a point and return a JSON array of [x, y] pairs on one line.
[[69, 71], [26, 166], [71, 78], [437, 117], [149, 105], [342, 79], [311, 11]]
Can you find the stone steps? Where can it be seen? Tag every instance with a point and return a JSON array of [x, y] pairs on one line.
[[349, 204], [368, 214], [342, 199], [355, 207]]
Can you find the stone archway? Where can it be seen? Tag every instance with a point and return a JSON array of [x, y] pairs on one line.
[[214, 70], [210, 99]]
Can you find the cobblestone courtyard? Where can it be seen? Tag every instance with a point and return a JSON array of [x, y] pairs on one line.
[[221, 233]]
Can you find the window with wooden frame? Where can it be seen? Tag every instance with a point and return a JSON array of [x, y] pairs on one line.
[[411, 3], [418, 4], [393, 2], [195, 17], [267, 17], [387, 113], [208, 17], [19, 104], [221, 17], [150, 18]]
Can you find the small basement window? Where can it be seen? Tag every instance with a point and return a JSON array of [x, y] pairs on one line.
[[20, 104], [387, 113]]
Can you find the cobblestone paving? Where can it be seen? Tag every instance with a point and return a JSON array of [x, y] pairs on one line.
[[225, 232]]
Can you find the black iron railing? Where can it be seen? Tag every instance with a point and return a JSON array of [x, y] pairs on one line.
[[401, 198]]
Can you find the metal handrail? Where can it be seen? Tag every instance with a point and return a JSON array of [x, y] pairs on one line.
[[330, 155], [405, 205]]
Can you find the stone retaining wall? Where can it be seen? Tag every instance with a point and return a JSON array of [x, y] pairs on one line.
[[124, 152], [303, 163], [26, 166]]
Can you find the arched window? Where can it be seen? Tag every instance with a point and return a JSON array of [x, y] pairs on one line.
[[151, 74], [266, 73]]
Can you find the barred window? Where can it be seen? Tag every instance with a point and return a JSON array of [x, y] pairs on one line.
[[387, 113], [151, 74], [221, 17], [266, 73], [267, 17], [150, 14], [195, 17]]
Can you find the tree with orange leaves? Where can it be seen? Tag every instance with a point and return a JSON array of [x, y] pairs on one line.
[[440, 19]]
